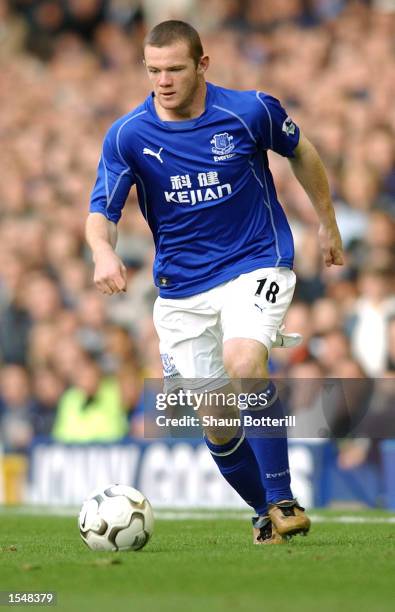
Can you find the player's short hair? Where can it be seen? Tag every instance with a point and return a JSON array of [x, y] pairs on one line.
[[169, 32]]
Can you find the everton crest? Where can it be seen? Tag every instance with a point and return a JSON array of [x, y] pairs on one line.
[[222, 144], [169, 368]]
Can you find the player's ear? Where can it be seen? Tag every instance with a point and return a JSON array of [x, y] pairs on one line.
[[203, 64]]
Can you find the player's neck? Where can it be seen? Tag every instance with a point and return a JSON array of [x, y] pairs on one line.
[[191, 110]]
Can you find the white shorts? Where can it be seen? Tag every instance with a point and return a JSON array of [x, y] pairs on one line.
[[192, 330]]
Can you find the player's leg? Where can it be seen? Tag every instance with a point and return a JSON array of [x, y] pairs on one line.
[[269, 444], [254, 308], [246, 359], [237, 462], [191, 348]]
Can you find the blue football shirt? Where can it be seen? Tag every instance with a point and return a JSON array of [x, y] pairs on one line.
[[204, 187]]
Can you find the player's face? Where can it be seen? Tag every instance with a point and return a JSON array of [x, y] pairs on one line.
[[174, 75]]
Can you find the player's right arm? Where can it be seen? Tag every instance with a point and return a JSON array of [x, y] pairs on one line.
[[113, 183], [110, 273]]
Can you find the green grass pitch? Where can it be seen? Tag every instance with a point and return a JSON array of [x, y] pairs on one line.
[[205, 566]]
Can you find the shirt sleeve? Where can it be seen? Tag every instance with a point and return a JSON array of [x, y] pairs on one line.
[[276, 129], [114, 178]]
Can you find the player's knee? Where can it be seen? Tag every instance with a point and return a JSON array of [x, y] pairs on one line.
[[245, 367], [245, 359]]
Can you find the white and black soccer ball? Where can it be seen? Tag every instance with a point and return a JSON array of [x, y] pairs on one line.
[[116, 518]]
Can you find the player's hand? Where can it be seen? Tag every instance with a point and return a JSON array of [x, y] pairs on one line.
[[110, 274], [331, 245]]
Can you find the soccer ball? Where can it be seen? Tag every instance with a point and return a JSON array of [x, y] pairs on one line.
[[116, 518]]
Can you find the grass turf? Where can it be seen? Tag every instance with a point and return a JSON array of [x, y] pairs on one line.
[[209, 565]]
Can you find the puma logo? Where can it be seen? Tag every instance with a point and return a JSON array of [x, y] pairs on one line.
[[147, 151]]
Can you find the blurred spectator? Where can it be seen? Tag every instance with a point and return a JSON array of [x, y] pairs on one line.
[[66, 353], [41, 297], [91, 410], [310, 286], [42, 342], [91, 321], [372, 312], [47, 389], [119, 349], [326, 315], [16, 429], [15, 325], [332, 347], [171, 9]]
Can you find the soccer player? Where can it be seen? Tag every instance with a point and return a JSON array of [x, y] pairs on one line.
[[197, 154]]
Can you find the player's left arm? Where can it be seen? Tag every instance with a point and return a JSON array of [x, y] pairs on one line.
[[308, 168]]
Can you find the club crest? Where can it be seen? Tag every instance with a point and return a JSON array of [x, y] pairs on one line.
[[169, 368], [222, 144]]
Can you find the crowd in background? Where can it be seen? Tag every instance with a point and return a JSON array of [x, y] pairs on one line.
[[73, 362]]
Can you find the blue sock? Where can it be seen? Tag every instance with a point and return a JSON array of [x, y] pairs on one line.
[[238, 466], [270, 447]]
